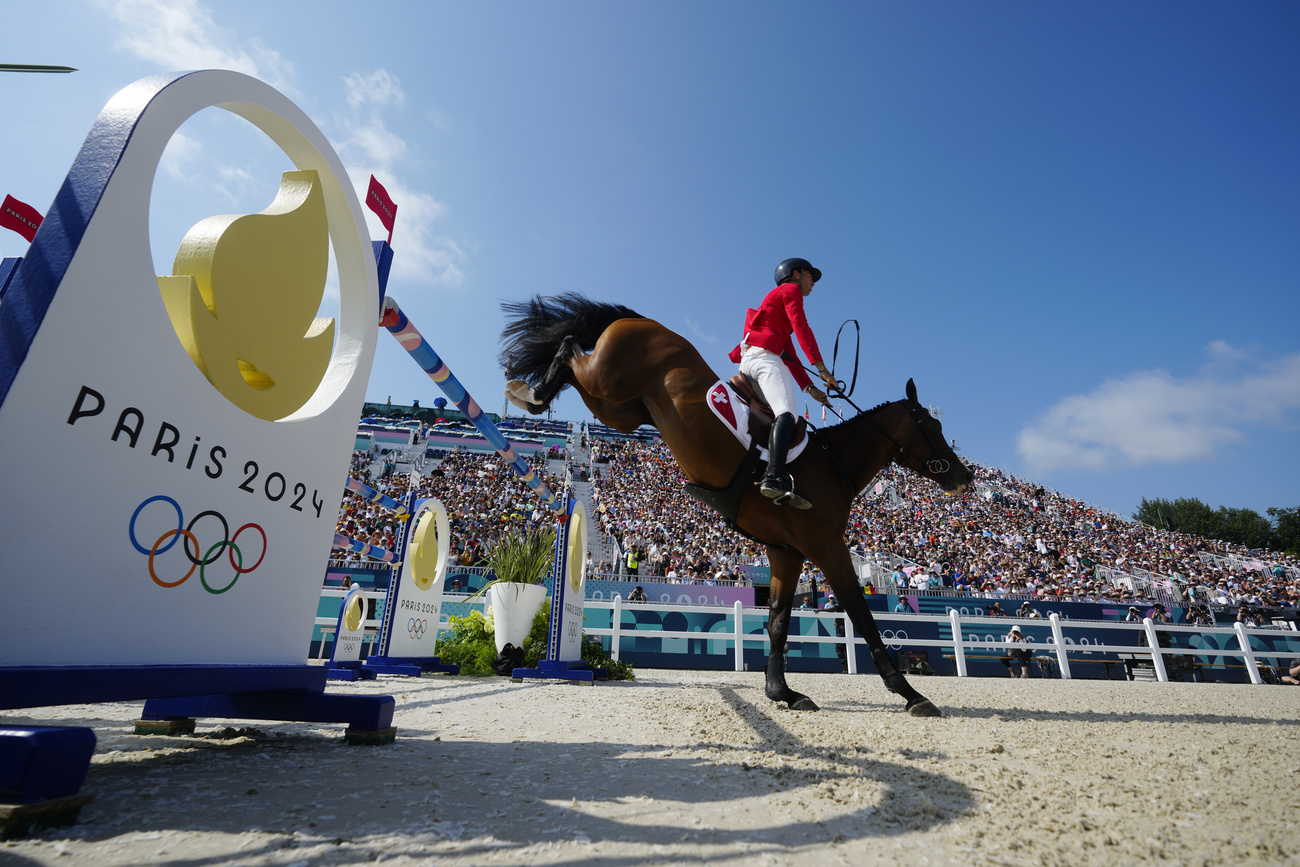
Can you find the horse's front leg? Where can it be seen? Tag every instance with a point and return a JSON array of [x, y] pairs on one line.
[[785, 578], [840, 575]]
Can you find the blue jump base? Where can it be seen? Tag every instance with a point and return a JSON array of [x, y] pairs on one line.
[[572, 669], [410, 666], [44, 686]]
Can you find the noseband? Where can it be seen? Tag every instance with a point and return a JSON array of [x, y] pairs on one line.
[[935, 465]]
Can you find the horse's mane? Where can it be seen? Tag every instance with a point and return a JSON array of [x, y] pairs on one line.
[[535, 329], [851, 419]]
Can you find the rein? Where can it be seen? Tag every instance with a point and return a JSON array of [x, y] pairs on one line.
[[936, 465]]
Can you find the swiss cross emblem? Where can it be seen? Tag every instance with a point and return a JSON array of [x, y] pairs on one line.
[[722, 404]]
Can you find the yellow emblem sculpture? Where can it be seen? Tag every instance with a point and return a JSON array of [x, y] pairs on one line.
[[243, 297]]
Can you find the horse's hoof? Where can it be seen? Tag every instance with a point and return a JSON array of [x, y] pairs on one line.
[[923, 708], [524, 405], [520, 389], [804, 703], [523, 395], [523, 402]]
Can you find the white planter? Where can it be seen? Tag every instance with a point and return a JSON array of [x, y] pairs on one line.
[[513, 608]]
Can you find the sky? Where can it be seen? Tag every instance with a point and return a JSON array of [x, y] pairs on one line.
[[1075, 225]]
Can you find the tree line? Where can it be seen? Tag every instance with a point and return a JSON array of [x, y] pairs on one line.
[[1236, 526]]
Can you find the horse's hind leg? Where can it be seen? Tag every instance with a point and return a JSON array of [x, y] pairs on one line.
[[538, 400], [785, 564]]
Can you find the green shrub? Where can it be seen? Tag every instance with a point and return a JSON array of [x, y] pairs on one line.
[[471, 645]]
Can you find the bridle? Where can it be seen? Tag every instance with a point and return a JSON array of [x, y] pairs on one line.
[[935, 464]]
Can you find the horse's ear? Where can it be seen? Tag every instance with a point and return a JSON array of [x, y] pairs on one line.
[[911, 391]]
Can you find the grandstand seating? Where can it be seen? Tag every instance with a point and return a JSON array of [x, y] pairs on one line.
[[1011, 539]]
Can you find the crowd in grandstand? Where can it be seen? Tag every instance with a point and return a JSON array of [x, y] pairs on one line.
[[482, 495], [1011, 538]]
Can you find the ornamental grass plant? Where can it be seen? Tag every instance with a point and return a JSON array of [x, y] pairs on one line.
[[522, 556]]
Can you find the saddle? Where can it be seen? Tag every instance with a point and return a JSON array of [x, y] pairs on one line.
[[761, 416], [737, 405]]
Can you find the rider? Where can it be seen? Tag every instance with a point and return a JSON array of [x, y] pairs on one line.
[[767, 357]]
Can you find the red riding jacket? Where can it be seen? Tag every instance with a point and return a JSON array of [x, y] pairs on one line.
[[770, 326]]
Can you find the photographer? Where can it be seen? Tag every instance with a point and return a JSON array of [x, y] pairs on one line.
[[1017, 655]]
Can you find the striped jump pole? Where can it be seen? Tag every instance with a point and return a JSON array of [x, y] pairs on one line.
[[414, 343], [365, 549], [365, 492]]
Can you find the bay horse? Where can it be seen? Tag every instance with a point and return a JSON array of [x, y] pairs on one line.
[[632, 371]]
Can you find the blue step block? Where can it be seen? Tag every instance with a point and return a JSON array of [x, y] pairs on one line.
[[39, 763]]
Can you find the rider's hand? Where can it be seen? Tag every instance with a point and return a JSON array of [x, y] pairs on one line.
[[832, 383], [818, 395]]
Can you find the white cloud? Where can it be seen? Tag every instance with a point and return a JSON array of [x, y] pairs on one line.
[[181, 34], [698, 332], [1220, 350], [1151, 417], [370, 147], [378, 89]]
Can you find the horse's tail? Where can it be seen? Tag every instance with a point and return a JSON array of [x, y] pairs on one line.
[[536, 328]]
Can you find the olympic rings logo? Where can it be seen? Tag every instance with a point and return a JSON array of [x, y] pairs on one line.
[[899, 635], [416, 628], [190, 545]]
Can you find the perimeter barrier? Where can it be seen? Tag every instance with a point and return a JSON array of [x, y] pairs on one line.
[[739, 629]]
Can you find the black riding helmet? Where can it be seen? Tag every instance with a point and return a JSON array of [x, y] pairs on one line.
[[789, 266]]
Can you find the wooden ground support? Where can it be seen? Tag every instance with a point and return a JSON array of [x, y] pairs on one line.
[[354, 737], [174, 726], [19, 820]]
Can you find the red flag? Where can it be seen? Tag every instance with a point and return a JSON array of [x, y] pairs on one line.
[[22, 218], [377, 200]]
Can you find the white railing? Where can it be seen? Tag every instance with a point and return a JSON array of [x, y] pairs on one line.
[[1059, 646]]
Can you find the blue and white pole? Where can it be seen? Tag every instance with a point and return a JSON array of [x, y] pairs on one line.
[[414, 343]]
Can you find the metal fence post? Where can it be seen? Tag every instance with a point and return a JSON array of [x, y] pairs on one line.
[[850, 644], [1156, 658], [958, 650], [617, 623], [1062, 659], [1247, 655], [738, 612]]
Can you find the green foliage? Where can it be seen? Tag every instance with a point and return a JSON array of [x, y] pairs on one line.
[[1237, 526], [1286, 535], [471, 644], [594, 653], [523, 556], [1245, 527]]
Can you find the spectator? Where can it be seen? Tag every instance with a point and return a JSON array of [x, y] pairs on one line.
[[1018, 656]]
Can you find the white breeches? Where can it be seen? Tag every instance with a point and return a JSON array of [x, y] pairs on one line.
[[769, 373]]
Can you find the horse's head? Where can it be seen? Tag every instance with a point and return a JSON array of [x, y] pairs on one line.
[[926, 452]]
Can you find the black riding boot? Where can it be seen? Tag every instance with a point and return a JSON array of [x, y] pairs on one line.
[[776, 484]]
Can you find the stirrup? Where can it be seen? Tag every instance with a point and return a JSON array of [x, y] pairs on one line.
[[780, 490], [794, 498], [776, 487]]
